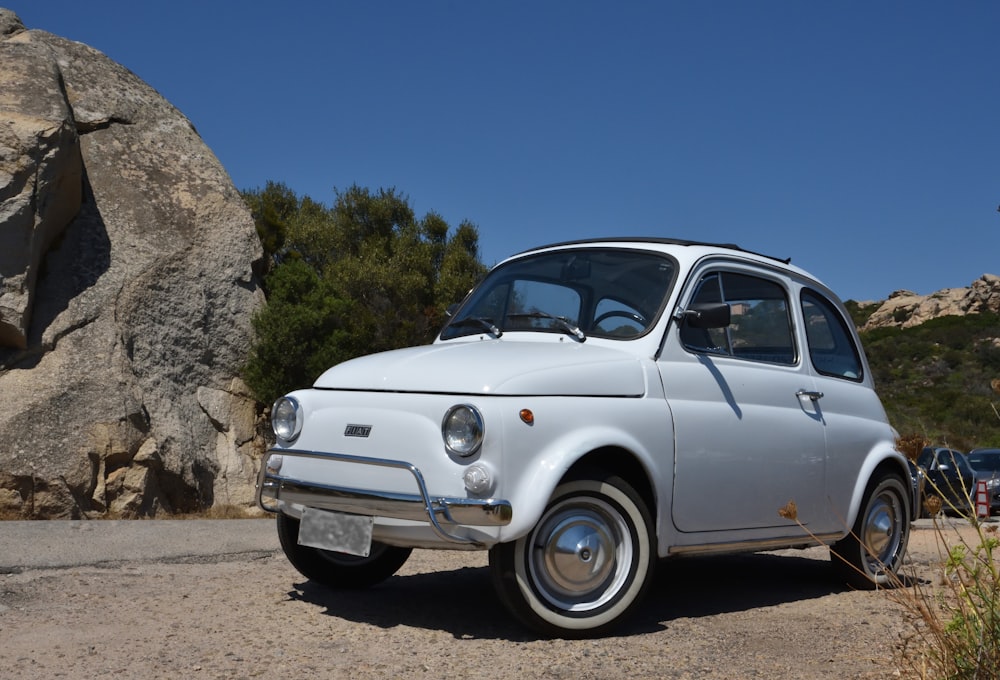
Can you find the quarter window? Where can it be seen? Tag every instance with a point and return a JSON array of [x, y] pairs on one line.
[[831, 345], [760, 327]]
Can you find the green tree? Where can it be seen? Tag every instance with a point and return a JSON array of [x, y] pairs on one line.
[[363, 276], [303, 329], [460, 265], [271, 207]]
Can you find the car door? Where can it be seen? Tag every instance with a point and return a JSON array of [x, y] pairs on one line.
[[748, 434], [849, 406]]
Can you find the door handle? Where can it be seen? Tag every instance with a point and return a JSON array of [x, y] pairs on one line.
[[811, 394]]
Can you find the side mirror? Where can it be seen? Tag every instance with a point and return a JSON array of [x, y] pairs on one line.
[[708, 315]]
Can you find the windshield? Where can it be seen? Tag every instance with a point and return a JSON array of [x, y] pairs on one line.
[[985, 461], [605, 293]]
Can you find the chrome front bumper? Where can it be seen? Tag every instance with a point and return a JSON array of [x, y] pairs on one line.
[[441, 513]]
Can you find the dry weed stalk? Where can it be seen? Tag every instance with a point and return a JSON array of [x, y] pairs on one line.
[[956, 620]]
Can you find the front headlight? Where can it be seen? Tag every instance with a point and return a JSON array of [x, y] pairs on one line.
[[286, 418], [462, 430]]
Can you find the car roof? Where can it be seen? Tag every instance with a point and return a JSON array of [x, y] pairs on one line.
[[687, 254], [936, 452], [658, 241]]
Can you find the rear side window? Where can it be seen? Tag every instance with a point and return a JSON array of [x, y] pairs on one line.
[[831, 345], [761, 328]]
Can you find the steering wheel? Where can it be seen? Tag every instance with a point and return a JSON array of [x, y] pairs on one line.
[[632, 316]]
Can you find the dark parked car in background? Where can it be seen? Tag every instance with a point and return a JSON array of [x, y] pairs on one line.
[[986, 464], [947, 475]]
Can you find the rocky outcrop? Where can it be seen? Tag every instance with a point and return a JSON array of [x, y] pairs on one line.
[[126, 293], [40, 173], [905, 309]]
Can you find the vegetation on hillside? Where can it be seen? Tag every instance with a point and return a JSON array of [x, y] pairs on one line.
[[937, 379], [363, 276]]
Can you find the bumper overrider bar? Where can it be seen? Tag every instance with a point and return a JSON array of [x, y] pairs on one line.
[[274, 489]]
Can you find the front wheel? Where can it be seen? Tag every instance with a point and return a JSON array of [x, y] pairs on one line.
[[871, 555], [586, 564], [339, 570]]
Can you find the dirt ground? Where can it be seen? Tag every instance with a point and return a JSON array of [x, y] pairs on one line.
[[773, 615]]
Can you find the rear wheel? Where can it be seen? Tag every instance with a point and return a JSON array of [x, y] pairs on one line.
[[339, 570], [871, 555], [587, 563]]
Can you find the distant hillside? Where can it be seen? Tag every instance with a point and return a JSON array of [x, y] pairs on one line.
[[936, 362], [905, 309]]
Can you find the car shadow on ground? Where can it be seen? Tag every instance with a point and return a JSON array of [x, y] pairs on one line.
[[462, 602], [705, 586]]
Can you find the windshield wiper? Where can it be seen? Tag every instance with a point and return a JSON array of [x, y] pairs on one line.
[[561, 321], [480, 322]]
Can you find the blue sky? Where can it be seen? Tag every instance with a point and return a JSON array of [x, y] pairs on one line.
[[861, 139]]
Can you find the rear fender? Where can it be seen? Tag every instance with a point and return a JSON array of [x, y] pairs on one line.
[[875, 464]]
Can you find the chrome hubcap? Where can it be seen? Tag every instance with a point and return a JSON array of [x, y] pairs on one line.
[[581, 554], [882, 532], [578, 554]]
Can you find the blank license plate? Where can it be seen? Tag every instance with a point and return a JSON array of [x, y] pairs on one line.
[[350, 534]]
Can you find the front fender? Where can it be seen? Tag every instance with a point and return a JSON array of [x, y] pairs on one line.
[[530, 487]]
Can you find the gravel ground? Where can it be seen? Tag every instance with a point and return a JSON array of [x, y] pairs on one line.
[[246, 615]]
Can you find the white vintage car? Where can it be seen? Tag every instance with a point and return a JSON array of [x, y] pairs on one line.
[[591, 408]]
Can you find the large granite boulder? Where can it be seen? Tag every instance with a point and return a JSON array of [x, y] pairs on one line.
[[906, 309], [127, 287]]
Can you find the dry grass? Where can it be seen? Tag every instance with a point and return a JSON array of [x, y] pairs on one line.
[[223, 512], [215, 512], [955, 619]]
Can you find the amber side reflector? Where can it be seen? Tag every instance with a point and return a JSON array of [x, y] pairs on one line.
[[527, 417]]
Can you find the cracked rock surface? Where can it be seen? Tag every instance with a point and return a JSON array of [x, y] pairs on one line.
[[127, 287]]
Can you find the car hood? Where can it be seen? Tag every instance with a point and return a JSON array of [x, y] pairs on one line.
[[494, 367]]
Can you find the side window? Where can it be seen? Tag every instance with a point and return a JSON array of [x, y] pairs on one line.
[[831, 345], [713, 340], [926, 459], [760, 327]]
